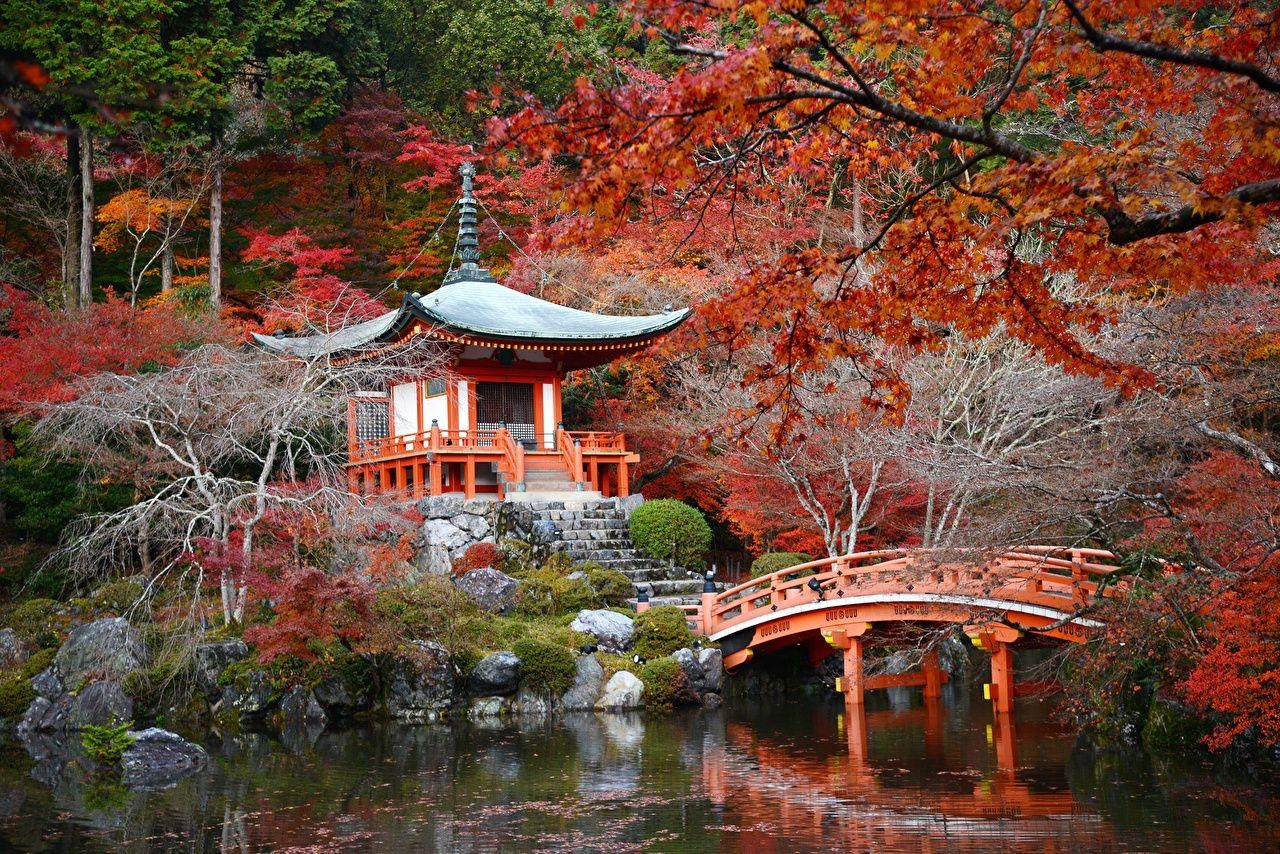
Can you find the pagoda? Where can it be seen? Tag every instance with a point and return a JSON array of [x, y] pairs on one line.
[[493, 424]]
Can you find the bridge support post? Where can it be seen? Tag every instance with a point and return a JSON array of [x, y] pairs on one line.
[[1001, 675], [932, 674], [854, 682]]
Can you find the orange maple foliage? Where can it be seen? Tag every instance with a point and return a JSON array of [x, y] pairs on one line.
[[1000, 151]]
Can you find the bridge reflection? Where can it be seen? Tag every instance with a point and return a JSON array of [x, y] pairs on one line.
[[887, 791]]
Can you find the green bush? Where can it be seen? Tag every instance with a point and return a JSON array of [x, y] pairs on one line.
[[669, 529], [544, 666], [664, 681], [107, 743], [39, 661], [777, 561], [547, 592], [15, 695], [37, 622], [661, 631], [611, 587]]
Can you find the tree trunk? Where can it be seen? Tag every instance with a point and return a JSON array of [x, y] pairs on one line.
[[86, 218], [166, 269], [215, 233], [71, 249]]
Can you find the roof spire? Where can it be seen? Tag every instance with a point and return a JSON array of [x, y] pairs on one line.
[[468, 235]]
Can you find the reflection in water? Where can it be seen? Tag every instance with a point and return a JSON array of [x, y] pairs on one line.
[[793, 777]]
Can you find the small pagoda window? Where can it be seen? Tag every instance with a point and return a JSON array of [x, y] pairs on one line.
[[372, 420], [435, 388]]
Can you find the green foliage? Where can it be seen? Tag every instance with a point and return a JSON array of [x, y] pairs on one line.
[[548, 592], [37, 622], [116, 597], [777, 561], [544, 666], [669, 529], [527, 45], [610, 585], [42, 496], [39, 661], [16, 695], [664, 682], [107, 743], [661, 631]]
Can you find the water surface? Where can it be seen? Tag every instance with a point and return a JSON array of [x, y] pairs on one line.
[[783, 776]]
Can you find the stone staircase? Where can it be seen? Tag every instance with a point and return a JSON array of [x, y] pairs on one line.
[[596, 529]]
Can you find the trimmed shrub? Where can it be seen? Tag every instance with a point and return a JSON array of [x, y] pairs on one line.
[[478, 556], [544, 666], [611, 586], [661, 631], [15, 695], [777, 561], [669, 529], [107, 743], [664, 683], [548, 593]]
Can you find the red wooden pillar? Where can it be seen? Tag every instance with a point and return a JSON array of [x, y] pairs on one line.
[[854, 682], [1001, 675], [417, 479], [469, 478], [624, 480], [437, 480], [855, 730], [932, 674], [353, 481], [594, 469], [1006, 744]]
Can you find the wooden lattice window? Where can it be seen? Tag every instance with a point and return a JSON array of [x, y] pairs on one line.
[[373, 420], [506, 403]]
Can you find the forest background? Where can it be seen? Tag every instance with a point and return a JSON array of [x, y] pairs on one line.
[[965, 276]]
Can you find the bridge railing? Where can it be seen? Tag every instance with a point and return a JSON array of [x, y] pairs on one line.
[[1048, 574]]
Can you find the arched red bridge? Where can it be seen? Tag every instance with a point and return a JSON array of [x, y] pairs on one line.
[[1029, 595]]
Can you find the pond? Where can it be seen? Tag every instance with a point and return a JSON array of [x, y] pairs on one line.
[[779, 776]]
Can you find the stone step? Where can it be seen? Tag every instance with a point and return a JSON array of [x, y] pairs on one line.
[[561, 515], [569, 499]]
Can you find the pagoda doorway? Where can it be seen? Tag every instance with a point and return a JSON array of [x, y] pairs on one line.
[[509, 404]]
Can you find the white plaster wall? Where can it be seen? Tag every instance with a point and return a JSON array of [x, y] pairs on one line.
[[464, 407], [549, 415], [404, 405], [436, 407]]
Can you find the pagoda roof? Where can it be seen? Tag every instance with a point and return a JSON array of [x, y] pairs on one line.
[[487, 312]]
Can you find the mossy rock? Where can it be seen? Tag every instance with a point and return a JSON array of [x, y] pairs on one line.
[[37, 622], [660, 631], [664, 683], [116, 598], [611, 587], [548, 592], [667, 529], [545, 667]]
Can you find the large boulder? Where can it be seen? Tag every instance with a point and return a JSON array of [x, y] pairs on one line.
[[99, 704], [107, 649], [711, 660], [48, 683], [251, 695], [210, 659], [158, 759], [476, 526], [441, 506], [12, 652], [588, 679], [46, 714], [612, 631], [444, 534], [491, 589], [300, 708], [623, 692], [422, 683], [496, 674]]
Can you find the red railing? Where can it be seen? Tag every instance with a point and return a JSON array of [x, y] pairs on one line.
[[512, 455], [599, 441], [1033, 573], [435, 439], [572, 453]]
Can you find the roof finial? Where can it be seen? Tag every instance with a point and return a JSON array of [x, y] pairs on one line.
[[468, 234]]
